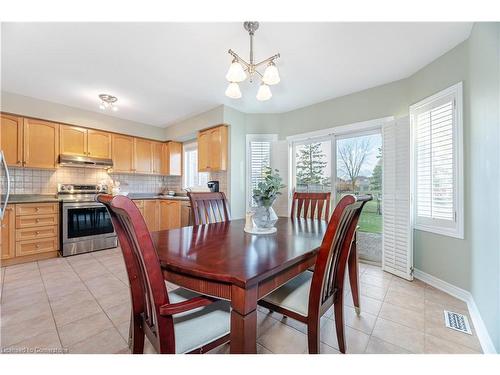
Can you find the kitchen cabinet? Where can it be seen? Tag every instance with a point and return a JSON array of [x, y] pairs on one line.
[[8, 234], [172, 159], [170, 214], [162, 214], [212, 149], [152, 214], [98, 144], [73, 140], [30, 232], [140, 206], [86, 142], [11, 139], [143, 156], [123, 153], [41, 144], [157, 157], [186, 216]]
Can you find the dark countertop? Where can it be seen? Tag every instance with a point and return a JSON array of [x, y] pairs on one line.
[[142, 196], [51, 198], [32, 198]]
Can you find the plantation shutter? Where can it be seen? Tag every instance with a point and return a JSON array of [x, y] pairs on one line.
[[434, 165], [259, 159], [397, 241]]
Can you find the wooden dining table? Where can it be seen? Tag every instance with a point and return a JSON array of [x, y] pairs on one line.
[[223, 261]]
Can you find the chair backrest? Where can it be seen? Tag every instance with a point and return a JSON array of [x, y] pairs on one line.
[[311, 205], [328, 279], [209, 207], [147, 286]]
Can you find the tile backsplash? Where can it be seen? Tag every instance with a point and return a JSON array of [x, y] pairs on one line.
[[39, 181]]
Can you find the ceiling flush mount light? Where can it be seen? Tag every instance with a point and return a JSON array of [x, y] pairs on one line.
[[239, 70], [108, 102]]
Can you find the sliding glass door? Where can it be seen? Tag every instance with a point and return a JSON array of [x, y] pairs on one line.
[[350, 163], [359, 171]]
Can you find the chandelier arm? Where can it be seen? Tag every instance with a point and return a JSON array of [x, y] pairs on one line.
[[237, 57], [269, 59]]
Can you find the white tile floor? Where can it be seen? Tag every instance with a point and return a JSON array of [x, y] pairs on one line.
[[81, 304]]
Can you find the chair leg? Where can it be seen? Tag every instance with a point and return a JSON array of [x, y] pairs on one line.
[[352, 265], [136, 335], [338, 311], [313, 336]]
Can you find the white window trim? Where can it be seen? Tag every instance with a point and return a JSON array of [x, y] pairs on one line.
[[249, 138], [337, 132], [457, 230]]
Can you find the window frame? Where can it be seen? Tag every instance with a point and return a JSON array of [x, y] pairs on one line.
[[186, 147], [259, 138], [439, 226]]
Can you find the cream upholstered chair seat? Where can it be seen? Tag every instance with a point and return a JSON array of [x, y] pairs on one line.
[[198, 327], [294, 295]]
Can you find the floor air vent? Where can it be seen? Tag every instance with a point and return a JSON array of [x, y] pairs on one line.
[[456, 321]]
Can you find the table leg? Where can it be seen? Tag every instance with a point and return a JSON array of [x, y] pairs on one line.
[[243, 321], [354, 275]]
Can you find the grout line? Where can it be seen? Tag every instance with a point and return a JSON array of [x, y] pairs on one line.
[[50, 306], [103, 310]]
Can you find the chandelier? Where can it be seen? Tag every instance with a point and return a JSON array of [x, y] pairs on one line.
[[108, 102], [240, 70]]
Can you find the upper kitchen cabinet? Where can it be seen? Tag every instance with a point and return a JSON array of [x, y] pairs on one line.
[[41, 144], [87, 142], [157, 157], [212, 149], [98, 144], [73, 140], [143, 156], [11, 139], [123, 153], [172, 159]]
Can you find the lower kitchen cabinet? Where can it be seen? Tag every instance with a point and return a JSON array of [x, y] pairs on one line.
[[170, 214], [152, 214], [8, 234], [30, 232], [160, 214]]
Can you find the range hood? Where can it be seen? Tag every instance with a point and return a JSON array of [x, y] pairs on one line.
[[84, 161]]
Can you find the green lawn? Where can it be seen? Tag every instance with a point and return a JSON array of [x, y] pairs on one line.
[[370, 221]]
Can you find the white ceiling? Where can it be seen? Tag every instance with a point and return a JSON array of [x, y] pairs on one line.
[[165, 72]]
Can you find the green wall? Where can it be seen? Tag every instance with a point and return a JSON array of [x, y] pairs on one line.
[[484, 173], [445, 257]]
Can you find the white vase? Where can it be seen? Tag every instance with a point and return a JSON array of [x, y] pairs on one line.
[[264, 218]]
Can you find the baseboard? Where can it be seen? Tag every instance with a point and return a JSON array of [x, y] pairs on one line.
[[466, 296]]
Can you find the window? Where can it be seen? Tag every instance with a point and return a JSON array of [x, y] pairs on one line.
[[312, 167], [437, 162], [259, 148], [193, 178]]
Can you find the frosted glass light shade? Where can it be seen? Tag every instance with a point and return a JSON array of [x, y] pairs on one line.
[[264, 92], [271, 75], [233, 91], [236, 72]]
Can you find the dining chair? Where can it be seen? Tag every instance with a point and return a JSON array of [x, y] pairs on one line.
[[311, 205], [309, 295], [209, 207], [317, 201], [178, 321]]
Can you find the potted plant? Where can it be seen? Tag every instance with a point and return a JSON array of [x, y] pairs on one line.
[[265, 195]]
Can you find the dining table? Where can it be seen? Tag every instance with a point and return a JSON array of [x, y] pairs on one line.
[[223, 261]]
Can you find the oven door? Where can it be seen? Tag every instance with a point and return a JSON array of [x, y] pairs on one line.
[[84, 221]]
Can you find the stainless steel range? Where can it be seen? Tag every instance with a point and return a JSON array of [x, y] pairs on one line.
[[85, 224]]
